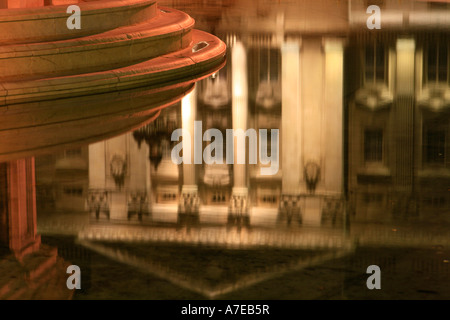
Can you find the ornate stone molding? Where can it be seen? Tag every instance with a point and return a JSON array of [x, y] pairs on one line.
[[290, 208], [98, 202], [239, 202], [189, 200], [312, 175], [332, 210], [374, 97], [137, 204], [118, 168], [435, 98]]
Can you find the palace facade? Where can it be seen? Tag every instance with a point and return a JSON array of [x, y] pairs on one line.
[[363, 118]]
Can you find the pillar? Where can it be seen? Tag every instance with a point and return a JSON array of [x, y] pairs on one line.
[[403, 109], [291, 134], [138, 190], [239, 196], [18, 210], [189, 200], [332, 208], [333, 117], [98, 197], [404, 115]]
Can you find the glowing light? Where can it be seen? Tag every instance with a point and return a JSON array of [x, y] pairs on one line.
[[239, 72]]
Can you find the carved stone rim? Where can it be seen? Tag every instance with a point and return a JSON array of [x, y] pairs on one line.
[[374, 97]]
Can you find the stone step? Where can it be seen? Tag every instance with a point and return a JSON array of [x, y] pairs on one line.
[[20, 279], [169, 31], [38, 264], [50, 23], [204, 54], [50, 285], [222, 237], [9, 268]]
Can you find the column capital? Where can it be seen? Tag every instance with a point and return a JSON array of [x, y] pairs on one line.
[[291, 45], [333, 44], [405, 44]]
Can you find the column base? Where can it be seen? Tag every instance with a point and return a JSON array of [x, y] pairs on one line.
[[98, 203], [138, 204], [24, 247], [189, 200], [290, 209], [332, 211], [238, 210]]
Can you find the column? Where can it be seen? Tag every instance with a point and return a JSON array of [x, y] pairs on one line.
[[333, 114], [97, 161], [291, 134], [98, 197], [333, 156], [138, 192], [239, 196], [18, 190], [403, 109], [189, 200]]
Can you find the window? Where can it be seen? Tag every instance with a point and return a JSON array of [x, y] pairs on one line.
[[375, 63], [373, 145], [435, 147], [436, 63]]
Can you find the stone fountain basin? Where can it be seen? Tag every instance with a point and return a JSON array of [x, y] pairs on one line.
[[172, 67], [49, 23], [169, 31]]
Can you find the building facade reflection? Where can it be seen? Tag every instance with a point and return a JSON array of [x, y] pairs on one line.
[[363, 118]]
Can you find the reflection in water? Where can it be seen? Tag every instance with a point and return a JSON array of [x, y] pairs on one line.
[[363, 171]]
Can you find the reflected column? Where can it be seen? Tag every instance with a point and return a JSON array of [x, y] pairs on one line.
[[404, 123], [189, 200], [333, 116], [239, 196], [291, 137]]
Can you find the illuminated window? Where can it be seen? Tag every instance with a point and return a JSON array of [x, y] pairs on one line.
[[373, 145], [436, 62]]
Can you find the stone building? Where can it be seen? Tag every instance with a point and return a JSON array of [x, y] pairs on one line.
[[362, 114]]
